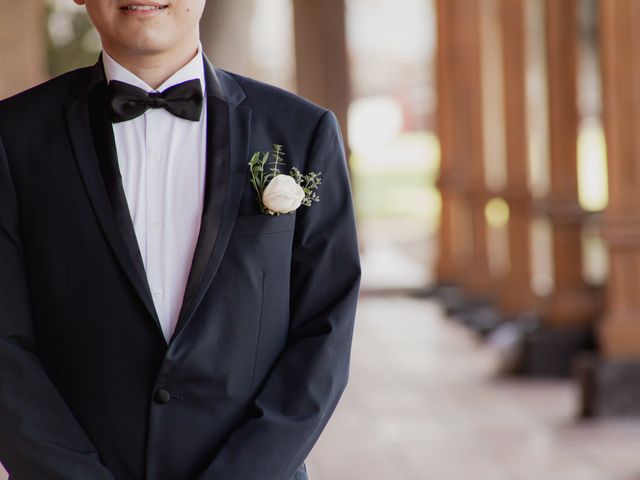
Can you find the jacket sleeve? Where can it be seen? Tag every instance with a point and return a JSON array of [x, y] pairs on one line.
[[40, 438], [303, 388]]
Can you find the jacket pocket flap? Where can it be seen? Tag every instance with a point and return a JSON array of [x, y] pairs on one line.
[[264, 223]]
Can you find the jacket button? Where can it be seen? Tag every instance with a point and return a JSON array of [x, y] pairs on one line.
[[162, 396]]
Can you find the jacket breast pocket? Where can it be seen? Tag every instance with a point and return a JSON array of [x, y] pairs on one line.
[[263, 224]]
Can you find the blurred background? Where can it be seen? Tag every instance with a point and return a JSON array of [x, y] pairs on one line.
[[495, 170]]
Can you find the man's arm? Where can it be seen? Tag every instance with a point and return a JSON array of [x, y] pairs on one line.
[[303, 388], [39, 437]]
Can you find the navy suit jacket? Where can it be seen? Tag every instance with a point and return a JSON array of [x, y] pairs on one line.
[[89, 389]]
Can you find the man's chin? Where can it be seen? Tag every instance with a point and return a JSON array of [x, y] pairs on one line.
[[146, 48]]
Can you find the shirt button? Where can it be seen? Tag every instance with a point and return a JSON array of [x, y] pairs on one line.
[[157, 226], [158, 293], [162, 396], [155, 155]]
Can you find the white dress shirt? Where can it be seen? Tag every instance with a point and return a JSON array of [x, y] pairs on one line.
[[162, 163]]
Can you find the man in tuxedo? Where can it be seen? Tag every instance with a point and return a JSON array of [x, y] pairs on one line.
[[154, 322]]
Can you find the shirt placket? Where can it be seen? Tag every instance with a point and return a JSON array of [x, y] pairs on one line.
[[154, 214]]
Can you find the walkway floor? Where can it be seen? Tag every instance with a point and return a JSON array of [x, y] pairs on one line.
[[423, 404]]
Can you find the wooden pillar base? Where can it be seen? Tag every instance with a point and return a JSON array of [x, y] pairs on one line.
[[516, 296], [580, 305], [449, 295], [608, 388], [552, 351], [455, 299], [482, 319], [620, 337]]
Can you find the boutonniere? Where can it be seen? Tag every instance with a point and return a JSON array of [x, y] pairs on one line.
[[278, 192]]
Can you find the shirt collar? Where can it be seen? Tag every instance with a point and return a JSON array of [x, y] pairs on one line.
[[192, 70]]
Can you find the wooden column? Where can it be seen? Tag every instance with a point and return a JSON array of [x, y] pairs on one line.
[[572, 303], [477, 277], [22, 46], [620, 37], [446, 267], [516, 294], [321, 55], [463, 236]]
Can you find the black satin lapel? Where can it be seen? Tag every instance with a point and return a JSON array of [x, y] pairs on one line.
[[226, 175], [212, 82], [92, 139], [216, 173]]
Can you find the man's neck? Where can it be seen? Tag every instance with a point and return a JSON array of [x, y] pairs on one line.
[[153, 69]]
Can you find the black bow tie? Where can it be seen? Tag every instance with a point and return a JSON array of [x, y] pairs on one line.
[[127, 102]]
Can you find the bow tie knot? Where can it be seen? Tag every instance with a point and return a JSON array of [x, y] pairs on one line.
[[157, 100], [127, 102]]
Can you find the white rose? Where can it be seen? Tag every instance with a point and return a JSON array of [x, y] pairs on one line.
[[282, 194]]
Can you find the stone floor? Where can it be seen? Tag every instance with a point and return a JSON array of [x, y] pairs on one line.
[[423, 403]]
